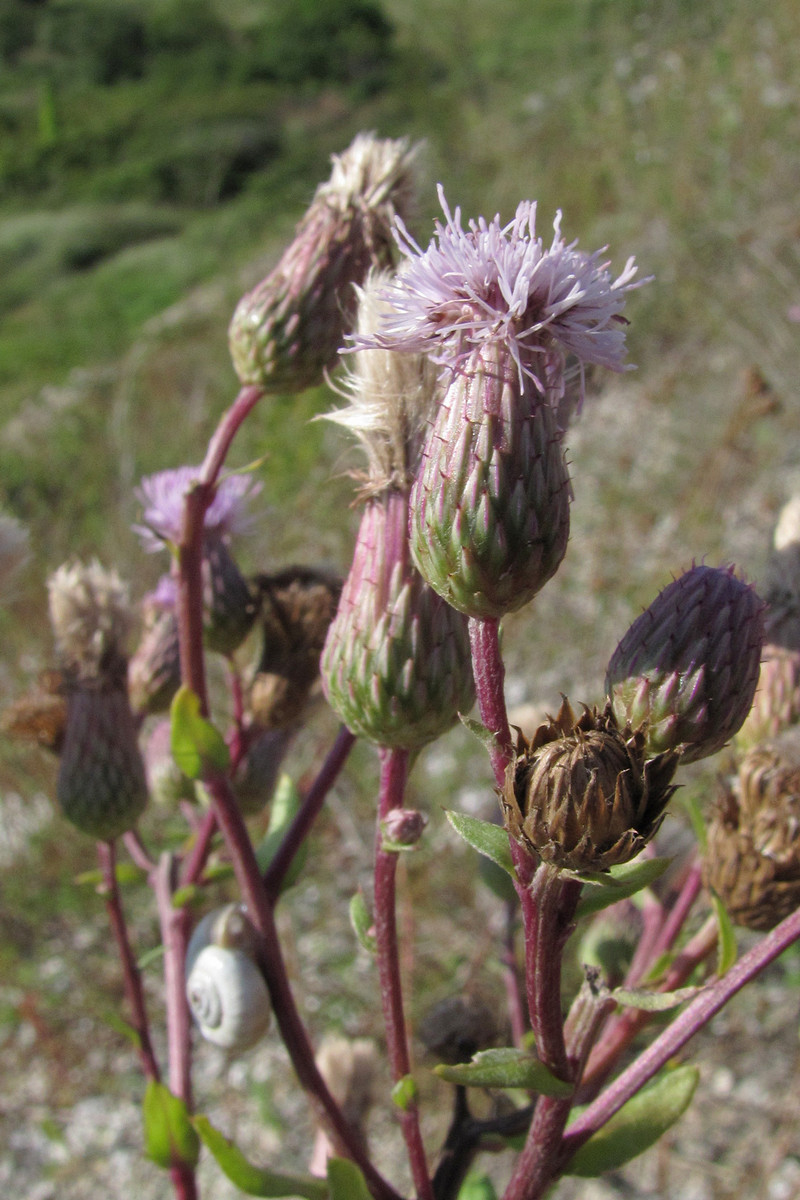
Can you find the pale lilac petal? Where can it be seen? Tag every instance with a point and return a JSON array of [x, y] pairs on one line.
[[163, 496]]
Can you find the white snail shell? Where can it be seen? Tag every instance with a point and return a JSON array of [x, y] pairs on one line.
[[225, 989]]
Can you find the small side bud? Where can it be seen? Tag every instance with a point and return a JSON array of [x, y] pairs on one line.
[[403, 827], [687, 669], [582, 795], [154, 672]]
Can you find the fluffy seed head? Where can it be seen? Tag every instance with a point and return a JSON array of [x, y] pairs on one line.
[[91, 619]]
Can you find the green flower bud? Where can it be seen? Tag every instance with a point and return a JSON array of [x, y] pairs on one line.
[[582, 795], [688, 667], [490, 507], [288, 331], [396, 665]]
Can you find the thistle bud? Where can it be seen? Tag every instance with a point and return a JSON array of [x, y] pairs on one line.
[[404, 827], [752, 858], [582, 795], [396, 665], [257, 771], [101, 779], [154, 672], [688, 667], [289, 329], [458, 1027], [490, 508]]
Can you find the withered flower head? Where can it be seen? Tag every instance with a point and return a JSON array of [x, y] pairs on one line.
[[752, 858], [582, 795], [296, 606], [91, 618], [776, 706]]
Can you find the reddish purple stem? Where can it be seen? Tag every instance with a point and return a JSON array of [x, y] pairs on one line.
[[394, 773]]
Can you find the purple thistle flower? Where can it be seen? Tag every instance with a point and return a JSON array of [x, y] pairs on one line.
[[163, 496], [495, 283]]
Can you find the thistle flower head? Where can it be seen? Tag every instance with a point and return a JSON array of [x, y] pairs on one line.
[[163, 496], [493, 282], [91, 618], [392, 398]]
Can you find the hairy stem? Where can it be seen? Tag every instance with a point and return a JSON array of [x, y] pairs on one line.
[[394, 772], [175, 936], [131, 975]]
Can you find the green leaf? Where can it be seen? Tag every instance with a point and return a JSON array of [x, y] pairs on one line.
[[648, 1001], [620, 883], [638, 1125], [477, 1187], [480, 731], [361, 920], [727, 950], [404, 1092], [125, 873], [150, 956], [169, 1136], [252, 1180], [196, 744], [507, 1067], [488, 839], [119, 1025], [497, 880], [346, 1181], [185, 895], [284, 807]]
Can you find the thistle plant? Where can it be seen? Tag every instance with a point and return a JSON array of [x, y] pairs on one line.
[[457, 369]]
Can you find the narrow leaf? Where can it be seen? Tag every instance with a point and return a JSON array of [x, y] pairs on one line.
[[125, 873], [620, 883], [638, 1125], [169, 1136], [506, 1068], [346, 1181], [497, 880], [727, 950], [284, 806], [647, 1001], [196, 744], [252, 1180], [483, 836], [404, 1092], [185, 895], [361, 920], [480, 731]]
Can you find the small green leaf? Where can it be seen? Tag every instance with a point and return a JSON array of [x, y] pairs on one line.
[[116, 1022], [404, 1092], [150, 956], [169, 1136], [185, 895], [486, 838], [507, 1067], [196, 744], [648, 1001], [497, 880], [620, 883], [284, 807], [252, 1180], [638, 1125], [477, 1187], [346, 1181], [480, 731], [216, 872], [361, 920], [125, 873], [727, 950]]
